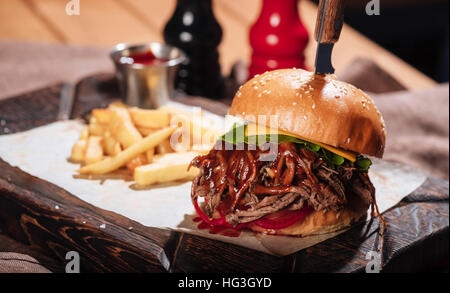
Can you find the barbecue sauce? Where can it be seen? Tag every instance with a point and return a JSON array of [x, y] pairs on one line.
[[147, 58], [225, 231]]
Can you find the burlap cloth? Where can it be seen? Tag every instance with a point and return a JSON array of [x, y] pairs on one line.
[[417, 122]]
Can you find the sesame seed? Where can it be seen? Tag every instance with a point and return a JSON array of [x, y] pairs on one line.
[[255, 88], [305, 117], [314, 106], [102, 226], [348, 140], [294, 103]]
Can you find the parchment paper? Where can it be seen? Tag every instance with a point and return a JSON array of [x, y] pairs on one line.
[[43, 152]]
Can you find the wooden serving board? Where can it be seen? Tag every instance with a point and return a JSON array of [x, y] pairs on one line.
[[416, 238]]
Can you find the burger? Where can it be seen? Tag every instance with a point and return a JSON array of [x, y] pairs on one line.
[[295, 164]]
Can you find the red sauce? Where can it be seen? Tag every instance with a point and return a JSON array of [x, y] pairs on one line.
[[216, 229], [147, 58]]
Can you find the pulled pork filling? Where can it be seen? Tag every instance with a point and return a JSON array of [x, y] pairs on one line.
[[238, 185]]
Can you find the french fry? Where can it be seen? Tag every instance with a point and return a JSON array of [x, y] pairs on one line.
[[192, 132], [102, 116], [150, 154], [117, 149], [94, 150], [128, 154], [122, 128], [95, 128], [117, 104], [78, 151], [174, 158], [111, 145], [84, 133], [140, 139], [149, 118], [209, 136], [182, 137], [173, 110], [162, 173], [164, 147], [166, 168], [136, 162], [144, 131]]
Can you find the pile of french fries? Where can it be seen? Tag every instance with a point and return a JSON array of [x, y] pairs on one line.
[[156, 146]]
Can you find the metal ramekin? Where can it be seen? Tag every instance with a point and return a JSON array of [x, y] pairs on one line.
[[147, 86]]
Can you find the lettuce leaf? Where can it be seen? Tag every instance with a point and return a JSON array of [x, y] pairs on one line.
[[237, 135], [363, 163]]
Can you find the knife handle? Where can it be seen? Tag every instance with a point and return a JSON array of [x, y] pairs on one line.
[[331, 12]]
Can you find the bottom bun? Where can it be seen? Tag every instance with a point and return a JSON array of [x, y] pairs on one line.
[[321, 222]]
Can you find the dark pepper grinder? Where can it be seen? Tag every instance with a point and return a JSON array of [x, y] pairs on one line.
[[194, 29]]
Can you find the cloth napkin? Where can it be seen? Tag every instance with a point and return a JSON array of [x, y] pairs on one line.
[[417, 126], [417, 122], [16, 257], [20, 263]]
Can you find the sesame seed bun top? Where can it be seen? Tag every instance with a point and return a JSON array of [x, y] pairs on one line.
[[317, 107]]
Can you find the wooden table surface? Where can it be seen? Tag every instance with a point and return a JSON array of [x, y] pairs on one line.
[[107, 22]]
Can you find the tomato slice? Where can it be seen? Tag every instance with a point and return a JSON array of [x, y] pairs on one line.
[[216, 222], [282, 219], [279, 220]]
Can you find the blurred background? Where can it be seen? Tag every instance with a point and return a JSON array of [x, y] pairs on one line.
[[414, 30]]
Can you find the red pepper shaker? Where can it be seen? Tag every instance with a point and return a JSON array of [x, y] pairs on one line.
[[278, 38], [194, 29]]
